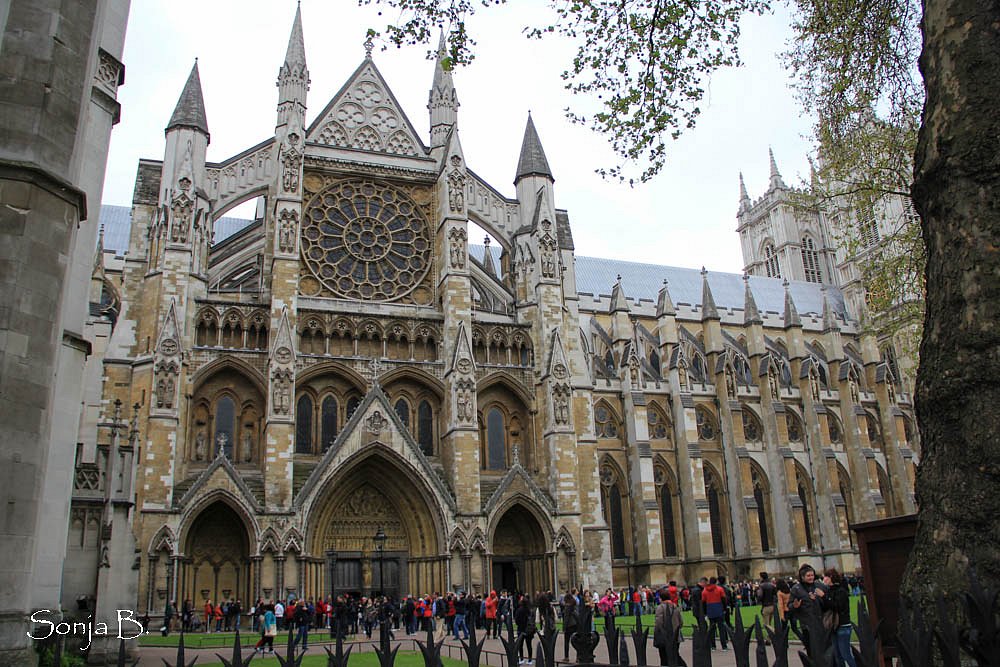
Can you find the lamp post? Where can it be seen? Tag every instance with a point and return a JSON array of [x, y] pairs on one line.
[[379, 540]]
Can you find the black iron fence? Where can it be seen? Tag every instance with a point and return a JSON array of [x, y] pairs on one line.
[[972, 630]]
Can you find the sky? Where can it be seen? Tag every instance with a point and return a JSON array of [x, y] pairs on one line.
[[685, 216]]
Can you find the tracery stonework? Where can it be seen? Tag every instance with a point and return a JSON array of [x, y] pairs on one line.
[[366, 240]]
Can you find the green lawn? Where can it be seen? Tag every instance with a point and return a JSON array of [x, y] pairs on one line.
[[316, 657]]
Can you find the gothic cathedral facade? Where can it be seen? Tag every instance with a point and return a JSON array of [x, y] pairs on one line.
[[509, 417]]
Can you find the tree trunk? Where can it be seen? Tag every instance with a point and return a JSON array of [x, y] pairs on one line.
[[957, 193]]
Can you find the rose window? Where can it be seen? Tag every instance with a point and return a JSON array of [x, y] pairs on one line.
[[366, 241]]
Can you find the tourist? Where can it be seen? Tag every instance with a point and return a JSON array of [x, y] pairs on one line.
[[783, 595], [713, 599], [458, 607], [168, 616], [302, 620], [268, 630], [209, 611], [524, 618], [838, 605], [279, 614], [767, 597], [571, 621], [666, 630], [806, 596]]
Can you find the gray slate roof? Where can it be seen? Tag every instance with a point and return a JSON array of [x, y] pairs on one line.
[[532, 161], [190, 109], [117, 222], [597, 276]]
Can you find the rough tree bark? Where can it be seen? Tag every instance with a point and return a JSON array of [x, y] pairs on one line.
[[957, 193]]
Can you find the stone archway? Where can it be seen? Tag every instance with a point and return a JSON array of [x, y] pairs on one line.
[[519, 561], [376, 493], [217, 563]]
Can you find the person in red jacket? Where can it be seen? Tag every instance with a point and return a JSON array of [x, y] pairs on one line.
[[672, 593], [713, 599], [491, 614]]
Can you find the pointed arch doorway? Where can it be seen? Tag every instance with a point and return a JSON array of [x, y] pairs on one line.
[[520, 562], [371, 495]]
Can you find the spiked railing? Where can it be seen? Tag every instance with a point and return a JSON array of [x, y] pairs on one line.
[[339, 657], [585, 640], [639, 641], [290, 660], [431, 650]]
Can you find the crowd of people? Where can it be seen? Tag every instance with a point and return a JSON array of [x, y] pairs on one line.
[[452, 614]]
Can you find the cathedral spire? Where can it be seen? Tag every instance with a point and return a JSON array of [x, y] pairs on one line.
[[751, 314], [488, 265], [792, 318], [296, 52], [708, 308], [664, 304], [776, 180], [618, 301], [532, 161], [442, 102], [829, 317], [744, 197], [190, 109]]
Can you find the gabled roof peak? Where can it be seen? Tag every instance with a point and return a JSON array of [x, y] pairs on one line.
[[190, 109], [532, 161]]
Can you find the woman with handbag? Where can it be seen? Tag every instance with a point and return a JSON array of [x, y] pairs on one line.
[[837, 616], [268, 631]]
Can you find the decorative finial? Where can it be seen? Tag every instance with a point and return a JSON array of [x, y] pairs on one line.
[[664, 282], [375, 368], [486, 241], [746, 277], [784, 283], [619, 277], [369, 45], [704, 271]]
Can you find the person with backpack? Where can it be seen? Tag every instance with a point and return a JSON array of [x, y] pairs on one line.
[[667, 636], [524, 619]]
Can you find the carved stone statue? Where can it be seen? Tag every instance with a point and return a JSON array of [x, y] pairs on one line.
[[286, 231], [247, 447], [456, 191], [814, 385], [548, 261], [456, 249], [199, 446], [772, 382], [730, 383]]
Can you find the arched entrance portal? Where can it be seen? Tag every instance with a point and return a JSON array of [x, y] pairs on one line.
[[217, 566], [371, 495], [520, 562]]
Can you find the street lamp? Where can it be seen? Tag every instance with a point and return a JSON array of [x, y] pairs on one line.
[[379, 541]]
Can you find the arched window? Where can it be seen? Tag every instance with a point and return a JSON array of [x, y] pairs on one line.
[[352, 404], [225, 426], [706, 424], [810, 261], [612, 498], [752, 430], [609, 363], [714, 513], [771, 262], [884, 489], [698, 367], [762, 496], [874, 432], [654, 361], [425, 428], [794, 425], [402, 409], [328, 422], [868, 228], [303, 425], [605, 422], [806, 498], [845, 493], [666, 513], [658, 427], [833, 428], [496, 445], [742, 370]]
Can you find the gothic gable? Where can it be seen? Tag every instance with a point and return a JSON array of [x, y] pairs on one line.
[[364, 115], [517, 481], [374, 424], [220, 474]]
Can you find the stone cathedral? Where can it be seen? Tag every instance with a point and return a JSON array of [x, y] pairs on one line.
[[511, 415]]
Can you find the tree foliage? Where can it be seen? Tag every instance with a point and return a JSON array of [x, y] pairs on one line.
[[645, 62], [854, 66]]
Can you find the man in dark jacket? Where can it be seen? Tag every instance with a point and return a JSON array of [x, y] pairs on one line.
[[302, 621], [766, 596]]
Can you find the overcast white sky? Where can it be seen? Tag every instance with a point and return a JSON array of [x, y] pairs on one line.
[[685, 217]]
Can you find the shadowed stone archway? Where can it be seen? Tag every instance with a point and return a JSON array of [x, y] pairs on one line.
[[520, 561]]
